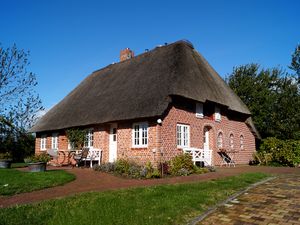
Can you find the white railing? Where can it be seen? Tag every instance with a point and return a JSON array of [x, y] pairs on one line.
[[199, 155]]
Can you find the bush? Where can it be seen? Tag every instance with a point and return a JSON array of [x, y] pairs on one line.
[[164, 168], [279, 152], [105, 167], [155, 174], [183, 161], [122, 166], [183, 172], [43, 157], [134, 171], [201, 170]]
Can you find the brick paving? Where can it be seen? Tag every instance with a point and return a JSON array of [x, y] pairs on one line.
[[274, 202]]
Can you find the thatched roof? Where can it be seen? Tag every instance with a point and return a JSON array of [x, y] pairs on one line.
[[140, 87]]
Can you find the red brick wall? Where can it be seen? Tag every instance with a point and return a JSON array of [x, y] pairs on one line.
[[226, 126], [163, 138]]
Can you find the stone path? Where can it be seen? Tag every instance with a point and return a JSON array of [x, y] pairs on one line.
[[89, 180], [274, 202]]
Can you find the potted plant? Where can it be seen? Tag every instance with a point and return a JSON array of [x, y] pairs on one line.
[[5, 160], [38, 163]]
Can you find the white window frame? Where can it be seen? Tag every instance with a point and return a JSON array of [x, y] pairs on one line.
[[220, 140], [231, 141], [242, 139], [140, 135], [43, 142], [54, 141], [199, 110], [70, 145], [89, 139], [218, 116], [182, 135]]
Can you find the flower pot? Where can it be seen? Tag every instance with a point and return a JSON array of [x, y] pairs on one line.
[[37, 167], [5, 163]]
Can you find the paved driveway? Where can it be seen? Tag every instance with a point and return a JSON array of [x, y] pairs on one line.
[[274, 202]]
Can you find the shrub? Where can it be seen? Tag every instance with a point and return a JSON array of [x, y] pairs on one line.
[[276, 151], [183, 172], [43, 157], [5, 155], [156, 174], [201, 170], [183, 161], [164, 168], [122, 166], [134, 171], [105, 167]]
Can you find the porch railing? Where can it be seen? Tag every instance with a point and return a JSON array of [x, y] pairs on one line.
[[200, 155]]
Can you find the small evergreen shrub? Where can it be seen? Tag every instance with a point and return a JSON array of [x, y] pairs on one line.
[[183, 161]]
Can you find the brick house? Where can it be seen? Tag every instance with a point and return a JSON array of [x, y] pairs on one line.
[[152, 107]]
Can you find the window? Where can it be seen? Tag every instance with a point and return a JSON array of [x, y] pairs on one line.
[[217, 114], [89, 139], [140, 135], [231, 141], [183, 135], [54, 141], [199, 110], [241, 142], [220, 140], [43, 142], [71, 145]]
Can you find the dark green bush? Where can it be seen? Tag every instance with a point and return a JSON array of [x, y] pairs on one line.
[[274, 151], [182, 161], [122, 166]]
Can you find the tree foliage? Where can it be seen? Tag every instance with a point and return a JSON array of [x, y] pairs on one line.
[[273, 98], [19, 103], [295, 64]]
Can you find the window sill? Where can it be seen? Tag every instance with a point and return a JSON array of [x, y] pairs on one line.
[[139, 148]]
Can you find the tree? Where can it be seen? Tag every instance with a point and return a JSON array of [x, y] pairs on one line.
[[272, 97], [295, 64], [19, 102]]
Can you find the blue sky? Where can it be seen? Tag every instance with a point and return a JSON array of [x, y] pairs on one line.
[[70, 39]]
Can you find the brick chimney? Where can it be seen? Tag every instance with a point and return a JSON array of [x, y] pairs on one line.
[[126, 54]]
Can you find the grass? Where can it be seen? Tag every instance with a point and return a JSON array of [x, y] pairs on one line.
[[14, 181], [163, 204], [18, 165]]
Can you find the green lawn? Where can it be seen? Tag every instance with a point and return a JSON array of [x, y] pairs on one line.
[[14, 181], [163, 204], [18, 165]]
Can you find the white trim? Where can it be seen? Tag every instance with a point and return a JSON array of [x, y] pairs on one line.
[[199, 110], [231, 141], [54, 141], [218, 116], [140, 135], [89, 138], [43, 142], [242, 139], [182, 135], [220, 139]]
